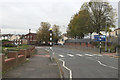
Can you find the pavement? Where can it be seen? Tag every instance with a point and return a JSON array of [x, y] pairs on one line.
[[39, 66]]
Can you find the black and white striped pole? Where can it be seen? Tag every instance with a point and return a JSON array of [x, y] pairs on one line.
[[51, 50], [51, 38]]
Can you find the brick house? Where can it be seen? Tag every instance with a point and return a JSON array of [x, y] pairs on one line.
[[114, 36], [31, 38]]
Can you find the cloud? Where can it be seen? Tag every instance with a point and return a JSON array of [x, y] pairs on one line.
[[25, 14]]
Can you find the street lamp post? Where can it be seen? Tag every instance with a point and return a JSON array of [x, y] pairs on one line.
[[106, 36], [100, 44], [106, 30], [117, 49]]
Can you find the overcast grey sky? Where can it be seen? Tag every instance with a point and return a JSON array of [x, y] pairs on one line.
[[17, 16]]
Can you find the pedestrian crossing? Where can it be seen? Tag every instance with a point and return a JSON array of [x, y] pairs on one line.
[[79, 55], [70, 55], [61, 56]]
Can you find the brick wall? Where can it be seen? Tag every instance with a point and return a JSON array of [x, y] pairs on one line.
[[15, 58], [80, 44], [7, 42]]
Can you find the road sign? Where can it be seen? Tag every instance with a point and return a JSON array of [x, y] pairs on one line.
[[100, 37]]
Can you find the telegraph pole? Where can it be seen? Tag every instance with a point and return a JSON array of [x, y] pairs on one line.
[[29, 35], [100, 44], [106, 36]]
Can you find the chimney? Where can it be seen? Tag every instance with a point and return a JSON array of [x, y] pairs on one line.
[[29, 30]]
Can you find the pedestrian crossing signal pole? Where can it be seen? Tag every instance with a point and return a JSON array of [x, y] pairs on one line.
[[51, 50], [51, 38]]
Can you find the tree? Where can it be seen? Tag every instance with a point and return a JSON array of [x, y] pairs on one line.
[[43, 33], [101, 14], [79, 25], [71, 31], [92, 17], [56, 33], [83, 25]]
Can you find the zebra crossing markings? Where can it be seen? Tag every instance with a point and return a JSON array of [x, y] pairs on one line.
[[99, 55], [70, 55], [61, 56], [47, 50], [81, 55], [89, 55]]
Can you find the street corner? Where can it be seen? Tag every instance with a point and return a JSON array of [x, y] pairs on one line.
[[111, 55]]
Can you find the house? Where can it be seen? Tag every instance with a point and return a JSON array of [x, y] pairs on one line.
[[30, 38], [15, 37], [63, 38], [6, 36], [114, 36], [115, 32]]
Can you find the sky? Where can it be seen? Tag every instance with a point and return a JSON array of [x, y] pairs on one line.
[[17, 16]]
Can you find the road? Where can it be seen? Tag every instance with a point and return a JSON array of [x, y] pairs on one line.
[[79, 64]]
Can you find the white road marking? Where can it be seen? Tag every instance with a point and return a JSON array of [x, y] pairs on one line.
[[99, 55], [39, 47], [47, 50], [61, 56], [106, 65], [70, 71], [51, 48], [79, 55], [70, 55], [103, 64], [88, 55]]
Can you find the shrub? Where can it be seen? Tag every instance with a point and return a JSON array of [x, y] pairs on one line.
[[5, 40], [20, 45], [118, 46], [5, 51], [10, 45]]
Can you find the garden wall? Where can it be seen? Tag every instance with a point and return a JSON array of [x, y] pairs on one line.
[[79, 44], [15, 58]]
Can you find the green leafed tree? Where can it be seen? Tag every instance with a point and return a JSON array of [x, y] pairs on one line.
[[101, 14], [71, 31], [92, 17], [43, 33], [79, 25], [56, 33]]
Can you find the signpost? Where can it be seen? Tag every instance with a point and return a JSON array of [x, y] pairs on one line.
[[100, 38]]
